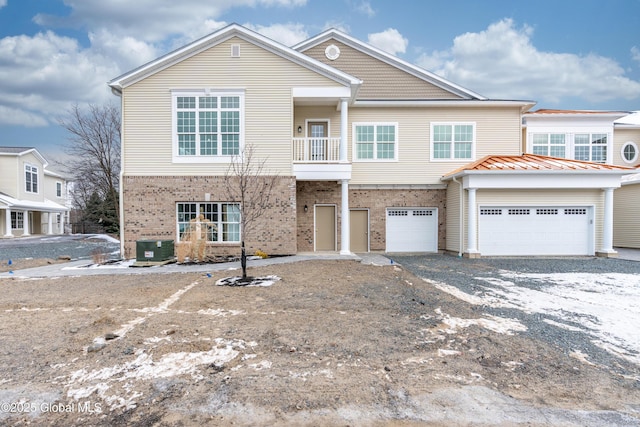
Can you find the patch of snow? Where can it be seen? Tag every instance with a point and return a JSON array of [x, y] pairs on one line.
[[444, 352], [497, 324], [263, 281], [220, 312], [265, 364]]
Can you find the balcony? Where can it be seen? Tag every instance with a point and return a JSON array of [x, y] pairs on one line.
[[319, 159]]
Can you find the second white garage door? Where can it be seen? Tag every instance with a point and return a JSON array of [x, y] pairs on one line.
[[518, 230], [412, 230]]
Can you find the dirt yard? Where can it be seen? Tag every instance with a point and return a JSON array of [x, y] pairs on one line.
[[331, 343]]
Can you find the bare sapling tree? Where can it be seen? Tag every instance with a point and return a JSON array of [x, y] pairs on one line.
[[93, 151], [249, 183]]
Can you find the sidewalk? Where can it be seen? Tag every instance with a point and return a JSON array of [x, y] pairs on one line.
[[85, 268]]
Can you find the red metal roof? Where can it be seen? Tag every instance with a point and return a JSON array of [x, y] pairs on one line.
[[533, 162]]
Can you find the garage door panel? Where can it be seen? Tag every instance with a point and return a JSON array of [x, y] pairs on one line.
[[412, 230], [535, 230]]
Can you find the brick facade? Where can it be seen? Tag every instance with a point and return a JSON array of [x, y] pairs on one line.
[[310, 193], [150, 212]]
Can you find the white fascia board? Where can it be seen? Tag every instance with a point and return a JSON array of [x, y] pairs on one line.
[[524, 105], [538, 180], [370, 50], [321, 92], [233, 30]]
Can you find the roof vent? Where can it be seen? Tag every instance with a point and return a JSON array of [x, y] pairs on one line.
[[235, 51], [332, 52]]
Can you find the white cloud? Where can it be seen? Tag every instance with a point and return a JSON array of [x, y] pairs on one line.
[[17, 116], [3, 3], [338, 25], [287, 34], [389, 40], [502, 62], [365, 8]]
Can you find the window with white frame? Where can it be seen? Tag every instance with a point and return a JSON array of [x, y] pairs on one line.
[[629, 152], [590, 147], [452, 141], [31, 178], [58, 189], [549, 144], [220, 220], [208, 124], [17, 220], [375, 141]]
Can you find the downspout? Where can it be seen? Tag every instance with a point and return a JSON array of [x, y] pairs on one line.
[[461, 217], [121, 183]]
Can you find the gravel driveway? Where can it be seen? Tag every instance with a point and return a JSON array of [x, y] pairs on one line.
[[586, 307]]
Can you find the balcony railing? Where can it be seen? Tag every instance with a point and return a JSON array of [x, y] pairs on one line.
[[316, 150]]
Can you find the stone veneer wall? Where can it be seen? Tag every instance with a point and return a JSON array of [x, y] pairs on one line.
[[150, 212], [317, 192]]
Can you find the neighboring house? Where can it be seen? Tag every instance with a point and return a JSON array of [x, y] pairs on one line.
[[371, 153], [32, 198], [607, 137]]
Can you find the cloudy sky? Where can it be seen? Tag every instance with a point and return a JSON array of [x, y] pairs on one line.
[[562, 54]]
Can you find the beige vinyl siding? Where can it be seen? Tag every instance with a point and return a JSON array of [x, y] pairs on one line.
[[267, 80], [547, 198], [626, 206], [380, 80], [453, 217], [9, 176], [621, 137], [497, 131]]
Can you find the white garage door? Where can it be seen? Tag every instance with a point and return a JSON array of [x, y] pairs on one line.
[[412, 230], [518, 230]]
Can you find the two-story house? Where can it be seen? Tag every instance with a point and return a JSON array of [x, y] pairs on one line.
[[371, 153], [607, 137], [32, 198]]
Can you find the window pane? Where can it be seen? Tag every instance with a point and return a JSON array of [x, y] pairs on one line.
[[557, 151], [187, 145], [629, 152], [386, 134], [186, 102], [386, 151], [540, 138], [541, 150], [599, 138], [364, 150], [230, 102], [230, 145], [186, 121], [581, 138], [364, 133], [229, 121], [557, 138], [208, 102], [208, 121], [462, 150], [464, 133], [442, 133], [582, 153], [599, 154], [208, 144], [441, 150]]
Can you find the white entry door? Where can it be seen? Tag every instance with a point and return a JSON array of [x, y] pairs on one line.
[[412, 230], [538, 230]]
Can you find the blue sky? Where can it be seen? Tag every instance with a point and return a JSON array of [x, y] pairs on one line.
[[562, 54]]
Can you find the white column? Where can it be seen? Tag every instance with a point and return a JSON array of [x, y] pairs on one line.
[[472, 221], [607, 226], [344, 128], [7, 223], [345, 244], [61, 222], [25, 222], [50, 222]]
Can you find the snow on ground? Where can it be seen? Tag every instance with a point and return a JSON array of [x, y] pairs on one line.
[[605, 305]]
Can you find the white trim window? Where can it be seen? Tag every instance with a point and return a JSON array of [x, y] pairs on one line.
[[31, 178], [17, 220], [549, 144], [453, 141], [629, 152], [58, 189], [590, 147], [375, 141], [220, 220], [207, 126]]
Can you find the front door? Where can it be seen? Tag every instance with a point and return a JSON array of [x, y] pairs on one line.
[[359, 237], [318, 133], [325, 228]]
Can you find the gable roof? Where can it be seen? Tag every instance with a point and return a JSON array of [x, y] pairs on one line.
[[381, 55], [217, 37], [631, 120], [531, 163], [21, 151]]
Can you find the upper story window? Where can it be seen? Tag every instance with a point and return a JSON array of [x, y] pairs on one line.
[[591, 147], [549, 144], [58, 189], [629, 152], [207, 125], [375, 141], [452, 141], [31, 178]]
